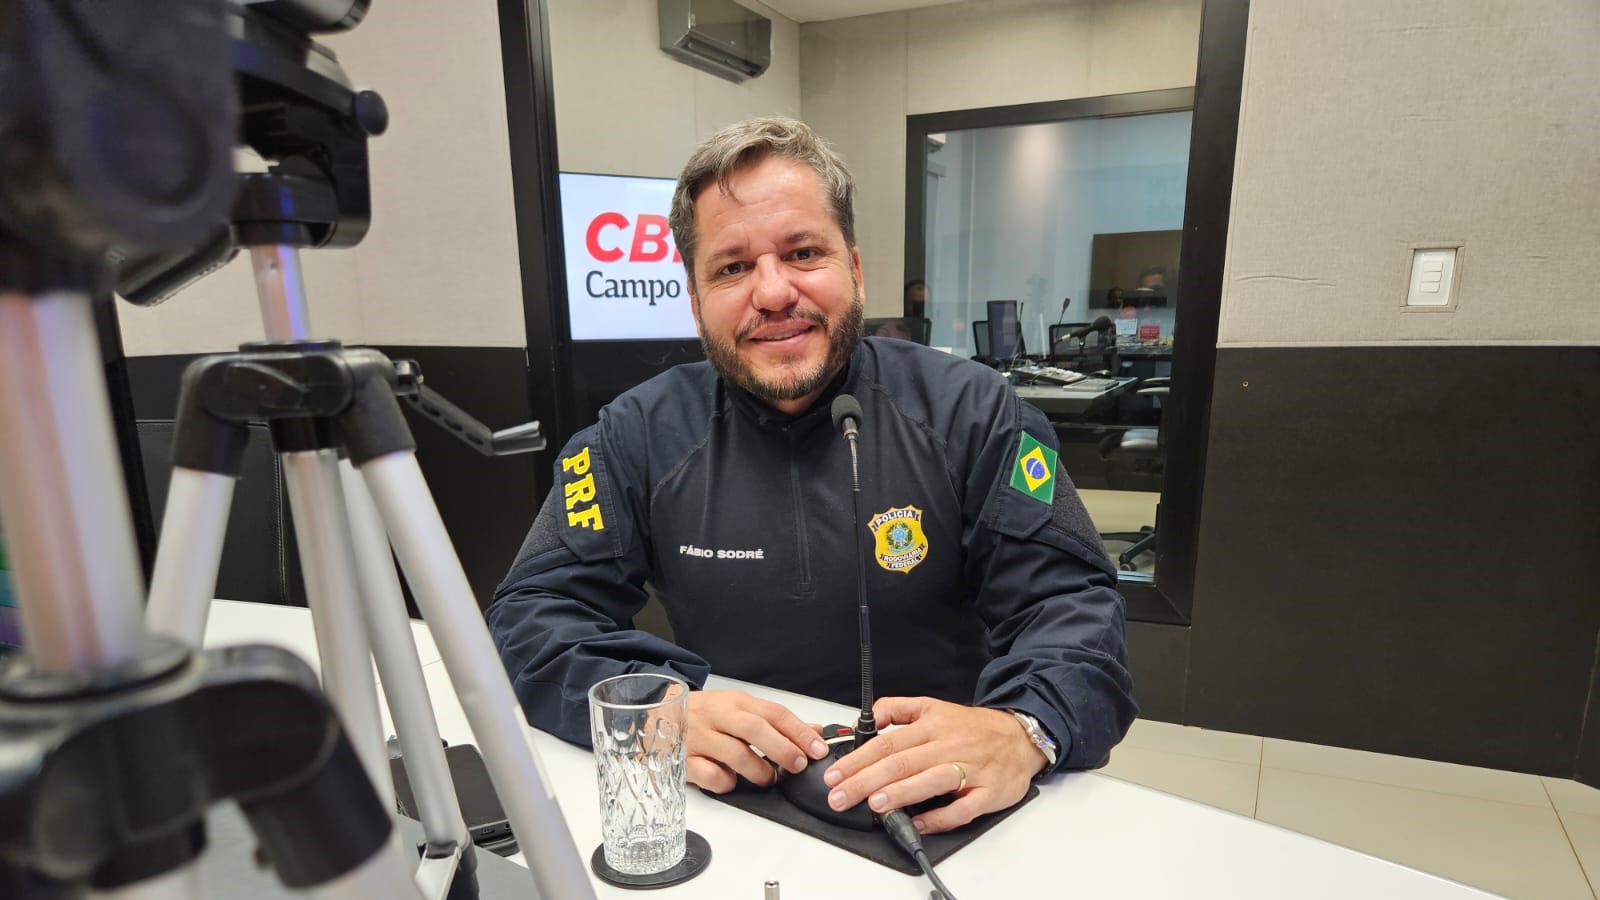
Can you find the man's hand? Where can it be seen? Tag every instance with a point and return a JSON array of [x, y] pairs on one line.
[[941, 746], [724, 725]]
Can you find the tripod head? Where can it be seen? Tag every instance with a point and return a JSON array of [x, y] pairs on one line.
[[299, 113], [117, 121], [120, 120]]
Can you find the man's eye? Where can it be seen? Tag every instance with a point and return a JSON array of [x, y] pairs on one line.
[[806, 253], [731, 269]]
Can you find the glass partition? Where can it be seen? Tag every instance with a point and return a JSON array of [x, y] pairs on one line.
[[1074, 226], [1075, 220]]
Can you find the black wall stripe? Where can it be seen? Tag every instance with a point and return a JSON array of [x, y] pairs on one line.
[[486, 504], [1399, 551]]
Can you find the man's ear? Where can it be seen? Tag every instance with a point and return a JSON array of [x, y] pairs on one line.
[[861, 280], [694, 297]]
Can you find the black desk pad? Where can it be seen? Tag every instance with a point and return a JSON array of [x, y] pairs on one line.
[[875, 845]]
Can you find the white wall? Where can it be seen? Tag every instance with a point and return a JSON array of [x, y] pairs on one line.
[[1368, 125], [861, 77], [624, 107], [440, 265]]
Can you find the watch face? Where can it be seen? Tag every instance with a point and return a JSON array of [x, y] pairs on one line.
[[1036, 733]]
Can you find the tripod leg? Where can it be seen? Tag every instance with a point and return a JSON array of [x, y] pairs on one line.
[[192, 531], [403, 686], [322, 532], [66, 513], [445, 597]]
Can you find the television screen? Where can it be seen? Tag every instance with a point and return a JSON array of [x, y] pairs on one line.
[[1136, 269], [625, 279]]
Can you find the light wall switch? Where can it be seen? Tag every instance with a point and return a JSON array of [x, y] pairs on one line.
[[1432, 277]]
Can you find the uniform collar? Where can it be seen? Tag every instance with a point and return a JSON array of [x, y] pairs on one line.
[[818, 413]]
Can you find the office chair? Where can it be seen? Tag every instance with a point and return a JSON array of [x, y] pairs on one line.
[[1134, 457], [1065, 350], [1061, 341]]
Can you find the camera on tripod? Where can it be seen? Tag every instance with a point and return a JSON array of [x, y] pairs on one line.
[[119, 122], [299, 113]]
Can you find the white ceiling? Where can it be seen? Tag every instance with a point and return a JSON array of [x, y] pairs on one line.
[[822, 10]]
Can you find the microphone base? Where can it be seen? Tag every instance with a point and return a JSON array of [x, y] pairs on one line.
[[809, 793]]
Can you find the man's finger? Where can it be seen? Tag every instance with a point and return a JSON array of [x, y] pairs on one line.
[[805, 738], [898, 767], [705, 773], [786, 741], [957, 814], [942, 778], [735, 754], [900, 710], [872, 752]]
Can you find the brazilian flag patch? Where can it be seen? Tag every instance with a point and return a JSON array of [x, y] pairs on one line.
[[1035, 471]]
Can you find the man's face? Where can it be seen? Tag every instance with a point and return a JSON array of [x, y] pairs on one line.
[[776, 292]]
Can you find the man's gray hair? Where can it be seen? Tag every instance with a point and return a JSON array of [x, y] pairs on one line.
[[749, 142]]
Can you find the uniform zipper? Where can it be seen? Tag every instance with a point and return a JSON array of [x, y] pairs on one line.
[[802, 548]]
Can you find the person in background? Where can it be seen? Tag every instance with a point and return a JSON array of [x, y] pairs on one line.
[[724, 485], [916, 299], [1153, 281]]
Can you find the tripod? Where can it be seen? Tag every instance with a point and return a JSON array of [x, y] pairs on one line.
[[324, 402], [116, 738]]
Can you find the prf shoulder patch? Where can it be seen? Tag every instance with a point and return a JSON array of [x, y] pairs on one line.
[[1034, 472], [579, 494], [899, 543]]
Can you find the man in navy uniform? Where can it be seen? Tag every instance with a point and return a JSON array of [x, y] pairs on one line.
[[998, 629]]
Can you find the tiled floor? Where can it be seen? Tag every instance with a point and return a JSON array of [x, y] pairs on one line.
[[1518, 835]]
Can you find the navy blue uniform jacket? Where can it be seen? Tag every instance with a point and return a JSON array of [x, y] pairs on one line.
[[987, 582]]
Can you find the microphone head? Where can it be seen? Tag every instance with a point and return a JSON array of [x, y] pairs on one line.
[[845, 407], [1065, 302], [1102, 324]]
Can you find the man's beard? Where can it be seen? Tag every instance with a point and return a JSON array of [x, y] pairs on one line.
[[843, 335]]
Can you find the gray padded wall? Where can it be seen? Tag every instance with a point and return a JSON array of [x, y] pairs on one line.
[[1368, 125]]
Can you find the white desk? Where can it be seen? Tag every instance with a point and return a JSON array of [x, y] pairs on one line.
[[1086, 835]]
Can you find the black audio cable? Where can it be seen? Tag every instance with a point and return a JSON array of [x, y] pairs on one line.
[[899, 826]]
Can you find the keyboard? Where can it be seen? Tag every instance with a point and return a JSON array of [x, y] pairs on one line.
[[1094, 384], [1045, 375]]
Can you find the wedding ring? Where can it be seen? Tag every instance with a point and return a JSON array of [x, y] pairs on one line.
[[963, 773]]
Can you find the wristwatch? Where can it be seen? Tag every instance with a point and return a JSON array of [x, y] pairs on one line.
[[1041, 738]]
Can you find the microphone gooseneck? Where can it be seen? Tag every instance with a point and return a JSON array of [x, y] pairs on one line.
[[847, 418], [1102, 325], [1065, 302]]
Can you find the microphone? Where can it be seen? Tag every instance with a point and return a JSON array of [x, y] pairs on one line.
[[1065, 302], [1101, 325], [847, 418], [807, 790]]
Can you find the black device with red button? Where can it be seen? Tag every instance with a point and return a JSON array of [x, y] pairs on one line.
[[808, 792]]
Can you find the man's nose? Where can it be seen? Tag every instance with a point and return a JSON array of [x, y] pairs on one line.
[[772, 289]]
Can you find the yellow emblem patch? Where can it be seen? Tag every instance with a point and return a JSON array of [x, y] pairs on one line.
[[579, 494], [897, 534]]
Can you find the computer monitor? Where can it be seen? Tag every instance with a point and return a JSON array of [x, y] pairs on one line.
[[905, 328], [1005, 329]]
